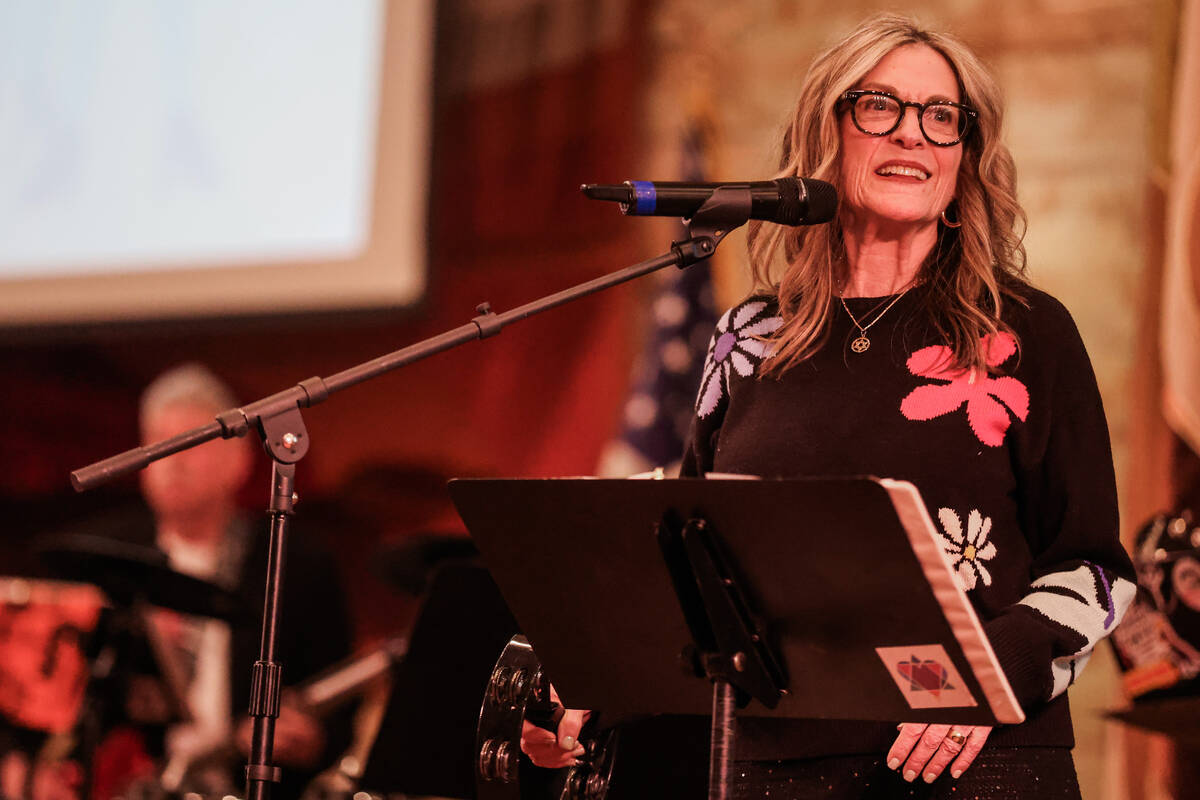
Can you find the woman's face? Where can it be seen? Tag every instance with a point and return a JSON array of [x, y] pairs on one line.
[[879, 184]]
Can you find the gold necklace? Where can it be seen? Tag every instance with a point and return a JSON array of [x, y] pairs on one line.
[[861, 344]]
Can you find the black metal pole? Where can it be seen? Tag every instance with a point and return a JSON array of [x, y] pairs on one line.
[[721, 743], [266, 679]]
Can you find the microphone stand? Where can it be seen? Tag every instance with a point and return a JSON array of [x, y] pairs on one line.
[[277, 421]]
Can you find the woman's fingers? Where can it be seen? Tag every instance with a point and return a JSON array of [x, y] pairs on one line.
[[910, 734], [970, 749], [543, 749], [950, 747], [926, 750], [927, 744], [550, 750], [569, 726], [559, 748]]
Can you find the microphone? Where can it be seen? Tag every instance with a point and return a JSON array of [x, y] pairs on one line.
[[786, 201]]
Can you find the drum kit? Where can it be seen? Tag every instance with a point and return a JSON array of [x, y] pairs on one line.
[[92, 621], [86, 637], [79, 649]]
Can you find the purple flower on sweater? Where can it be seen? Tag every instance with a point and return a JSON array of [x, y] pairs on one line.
[[967, 550], [736, 345]]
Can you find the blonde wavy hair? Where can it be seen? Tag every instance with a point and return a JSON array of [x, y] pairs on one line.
[[972, 272]]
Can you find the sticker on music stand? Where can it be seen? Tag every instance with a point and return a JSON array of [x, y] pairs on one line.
[[926, 676]]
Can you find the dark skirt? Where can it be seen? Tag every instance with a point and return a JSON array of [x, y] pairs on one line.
[[998, 773]]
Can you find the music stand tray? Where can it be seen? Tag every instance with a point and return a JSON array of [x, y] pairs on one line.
[[847, 574]]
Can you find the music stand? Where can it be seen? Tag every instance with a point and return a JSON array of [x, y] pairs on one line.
[[859, 602]]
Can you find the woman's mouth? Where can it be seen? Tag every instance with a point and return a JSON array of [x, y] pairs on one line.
[[903, 170]]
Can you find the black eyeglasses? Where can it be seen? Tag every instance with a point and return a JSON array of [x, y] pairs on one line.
[[878, 113]]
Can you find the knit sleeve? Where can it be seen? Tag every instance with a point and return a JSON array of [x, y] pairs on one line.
[[712, 398], [738, 345], [1082, 580]]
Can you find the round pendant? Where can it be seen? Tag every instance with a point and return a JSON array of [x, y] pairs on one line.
[[860, 344]]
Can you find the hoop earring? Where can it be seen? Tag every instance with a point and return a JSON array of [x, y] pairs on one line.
[[946, 220]]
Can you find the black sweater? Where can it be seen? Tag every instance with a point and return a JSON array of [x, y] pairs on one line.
[[1014, 466]]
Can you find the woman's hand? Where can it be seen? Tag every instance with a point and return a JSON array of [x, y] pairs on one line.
[[545, 749], [925, 750], [548, 749]]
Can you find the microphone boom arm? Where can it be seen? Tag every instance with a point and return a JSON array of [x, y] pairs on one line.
[[279, 424]]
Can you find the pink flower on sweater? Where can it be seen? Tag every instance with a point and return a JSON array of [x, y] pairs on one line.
[[989, 399]]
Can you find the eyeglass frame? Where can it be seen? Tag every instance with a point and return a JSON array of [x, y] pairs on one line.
[[852, 97]]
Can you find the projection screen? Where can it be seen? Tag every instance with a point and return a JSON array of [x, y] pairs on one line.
[[216, 158]]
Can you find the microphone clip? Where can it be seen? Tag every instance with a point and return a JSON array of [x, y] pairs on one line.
[[727, 208]]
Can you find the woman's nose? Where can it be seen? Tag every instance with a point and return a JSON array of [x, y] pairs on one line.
[[908, 132]]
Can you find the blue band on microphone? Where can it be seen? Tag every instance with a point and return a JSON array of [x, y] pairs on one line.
[[645, 199]]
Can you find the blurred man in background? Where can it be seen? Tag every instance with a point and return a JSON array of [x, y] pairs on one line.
[[197, 522]]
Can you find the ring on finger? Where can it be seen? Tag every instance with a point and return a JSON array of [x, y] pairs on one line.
[[958, 737]]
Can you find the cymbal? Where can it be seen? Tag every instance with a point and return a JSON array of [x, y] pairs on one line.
[[130, 573]]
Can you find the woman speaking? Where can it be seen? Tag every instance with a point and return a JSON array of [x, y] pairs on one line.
[[903, 340]]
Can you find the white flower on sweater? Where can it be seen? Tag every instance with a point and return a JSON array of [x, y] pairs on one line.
[[735, 345], [967, 551]]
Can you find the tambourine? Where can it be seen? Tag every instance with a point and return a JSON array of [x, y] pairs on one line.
[[519, 691]]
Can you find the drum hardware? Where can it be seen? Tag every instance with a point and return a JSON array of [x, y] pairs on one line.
[[128, 573], [137, 577], [317, 696]]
